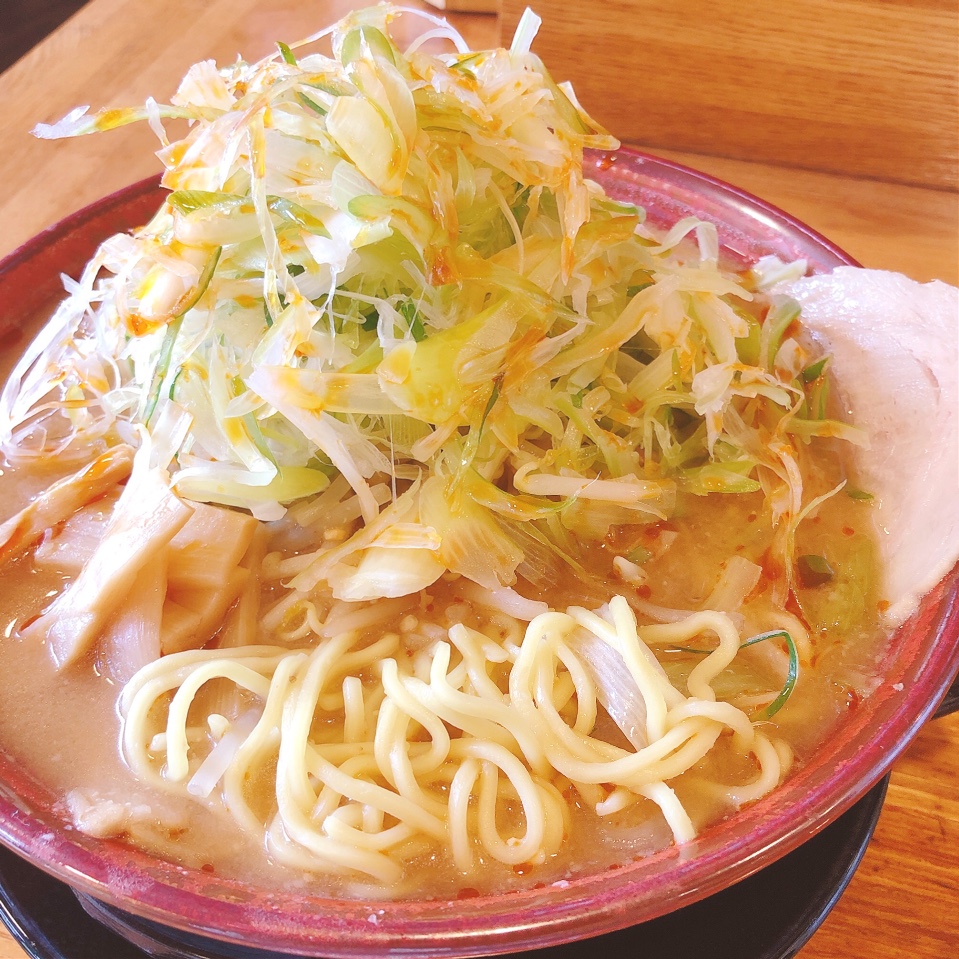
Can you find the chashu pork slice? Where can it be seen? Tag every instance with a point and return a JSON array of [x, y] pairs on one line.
[[895, 349]]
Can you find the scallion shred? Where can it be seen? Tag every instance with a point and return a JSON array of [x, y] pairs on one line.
[[792, 675], [407, 271]]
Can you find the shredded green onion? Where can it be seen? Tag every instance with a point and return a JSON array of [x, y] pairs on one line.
[[407, 275], [286, 53], [172, 331], [792, 675]]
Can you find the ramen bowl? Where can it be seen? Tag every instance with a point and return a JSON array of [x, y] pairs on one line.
[[917, 666]]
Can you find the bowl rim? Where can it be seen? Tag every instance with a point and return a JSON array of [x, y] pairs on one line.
[[583, 906]]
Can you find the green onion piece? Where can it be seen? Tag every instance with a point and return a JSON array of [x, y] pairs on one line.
[[639, 555], [748, 347], [464, 63], [779, 319], [329, 84], [793, 674], [474, 439], [292, 212], [490, 403], [163, 364], [311, 104], [814, 570], [817, 402], [376, 42], [407, 309], [173, 382], [173, 329], [815, 370], [715, 478], [516, 507], [286, 53], [859, 494], [564, 105], [295, 269], [189, 201]]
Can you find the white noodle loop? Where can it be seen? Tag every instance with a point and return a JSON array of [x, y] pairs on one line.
[[376, 749]]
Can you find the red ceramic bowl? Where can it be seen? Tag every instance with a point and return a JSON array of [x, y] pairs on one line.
[[920, 662]]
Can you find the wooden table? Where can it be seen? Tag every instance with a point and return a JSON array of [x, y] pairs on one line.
[[903, 900]]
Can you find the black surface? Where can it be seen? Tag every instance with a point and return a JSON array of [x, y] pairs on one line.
[[771, 915], [950, 703]]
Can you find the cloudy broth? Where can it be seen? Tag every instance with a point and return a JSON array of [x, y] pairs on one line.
[[64, 725]]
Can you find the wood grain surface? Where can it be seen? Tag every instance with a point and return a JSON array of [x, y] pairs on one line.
[[902, 903], [867, 87]]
